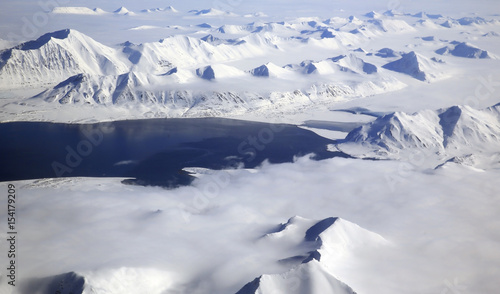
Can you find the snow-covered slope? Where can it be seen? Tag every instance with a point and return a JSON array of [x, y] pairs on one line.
[[115, 281], [463, 49], [270, 70], [78, 10], [306, 60], [354, 63], [123, 11], [349, 63], [415, 65], [188, 52], [310, 277], [158, 9], [212, 12], [145, 90], [168, 73], [91, 89], [324, 243], [218, 71], [458, 131], [54, 57]]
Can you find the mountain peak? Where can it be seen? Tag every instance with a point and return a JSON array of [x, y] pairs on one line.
[[44, 39], [312, 234], [123, 10], [373, 14], [464, 49], [268, 70], [55, 56], [211, 12], [218, 71], [412, 64], [171, 8], [324, 242]]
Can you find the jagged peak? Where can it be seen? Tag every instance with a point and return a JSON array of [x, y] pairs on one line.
[[413, 64]]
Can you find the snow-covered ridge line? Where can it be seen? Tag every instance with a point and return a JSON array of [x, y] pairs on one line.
[[163, 72], [131, 89], [75, 69], [82, 10], [38, 66], [453, 133]]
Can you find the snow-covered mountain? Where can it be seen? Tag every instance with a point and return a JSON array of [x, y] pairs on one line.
[[218, 71], [56, 56], [165, 72], [455, 132], [120, 280], [324, 244], [211, 12], [415, 65], [270, 70], [123, 11], [354, 63], [310, 277], [464, 49], [158, 9], [234, 57], [79, 10], [129, 89]]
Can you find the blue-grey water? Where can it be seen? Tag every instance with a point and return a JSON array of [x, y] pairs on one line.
[[150, 152]]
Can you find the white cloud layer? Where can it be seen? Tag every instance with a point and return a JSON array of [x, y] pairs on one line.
[[443, 223]]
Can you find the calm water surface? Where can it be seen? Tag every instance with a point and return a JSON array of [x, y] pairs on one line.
[[150, 152]]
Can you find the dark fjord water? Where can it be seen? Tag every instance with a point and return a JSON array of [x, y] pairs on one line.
[[150, 152]]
